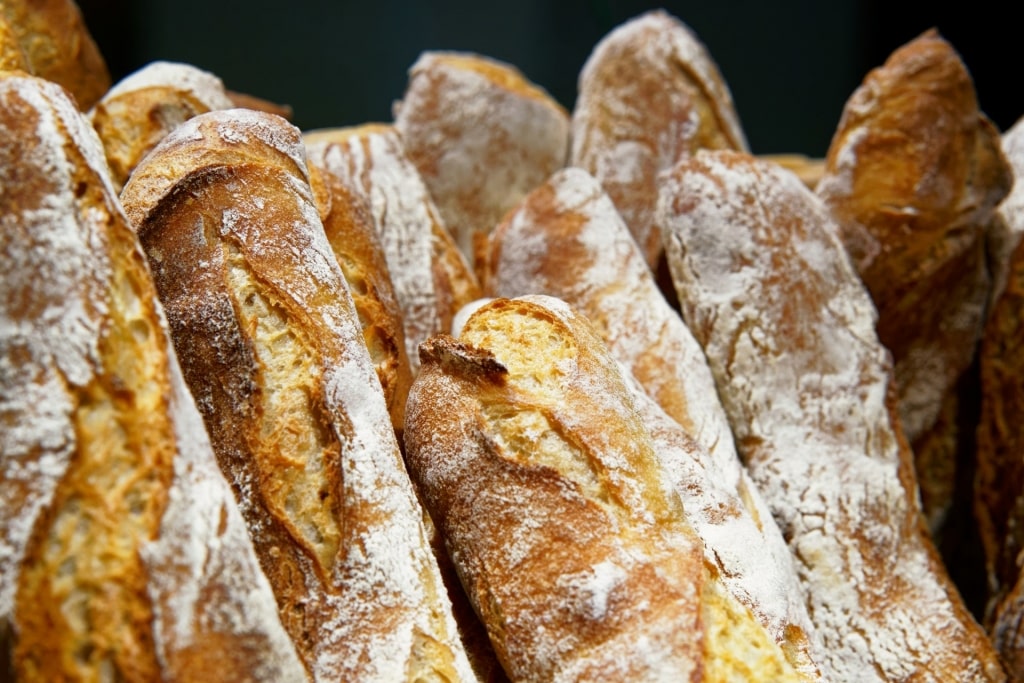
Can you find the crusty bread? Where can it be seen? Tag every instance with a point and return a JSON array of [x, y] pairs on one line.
[[912, 176], [143, 107], [482, 136], [561, 520], [271, 346], [789, 331], [123, 555], [54, 44], [566, 240], [999, 485], [650, 94], [432, 280], [1008, 226], [352, 234]]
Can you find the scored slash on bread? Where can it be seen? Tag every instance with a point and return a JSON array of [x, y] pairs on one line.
[[273, 351], [123, 554], [789, 331], [431, 278], [481, 136], [564, 527]]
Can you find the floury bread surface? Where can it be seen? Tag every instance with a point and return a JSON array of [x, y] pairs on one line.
[[789, 331], [481, 136], [123, 555], [432, 279], [142, 108], [563, 525], [271, 347], [566, 240], [649, 96]]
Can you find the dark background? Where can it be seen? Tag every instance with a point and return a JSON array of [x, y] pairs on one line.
[[790, 65]]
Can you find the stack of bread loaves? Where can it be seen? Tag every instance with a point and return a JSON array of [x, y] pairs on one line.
[[499, 391]]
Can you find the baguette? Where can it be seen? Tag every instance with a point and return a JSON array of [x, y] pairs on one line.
[[142, 108], [54, 43], [271, 346], [123, 555], [564, 527], [789, 331], [481, 136], [566, 240], [432, 279], [913, 176], [650, 95]]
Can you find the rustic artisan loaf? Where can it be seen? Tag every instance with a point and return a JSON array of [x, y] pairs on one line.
[[912, 177], [271, 346], [649, 95], [431, 278], [123, 555], [47, 38], [352, 234], [789, 331], [561, 520], [142, 108], [482, 136]]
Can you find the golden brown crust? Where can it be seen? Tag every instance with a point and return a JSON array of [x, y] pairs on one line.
[[481, 136], [351, 231], [142, 108], [649, 96], [913, 175], [1000, 475], [788, 329], [573, 551], [272, 349], [57, 46], [119, 576]]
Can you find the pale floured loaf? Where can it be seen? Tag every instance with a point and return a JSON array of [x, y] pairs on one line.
[[912, 177], [560, 518], [1008, 227], [650, 94], [123, 555], [143, 107], [54, 43], [482, 136], [789, 331], [566, 240], [432, 279], [272, 348]]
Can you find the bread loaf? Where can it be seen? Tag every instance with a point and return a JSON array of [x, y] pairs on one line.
[[1000, 468], [912, 177], [789, 331], [482, 136], [123, 555], [649, 95], [561, 520], [566, 240], [352, 234], [53, 43], [431, 278], [142, 108], [1008, 225], [271, 347]]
